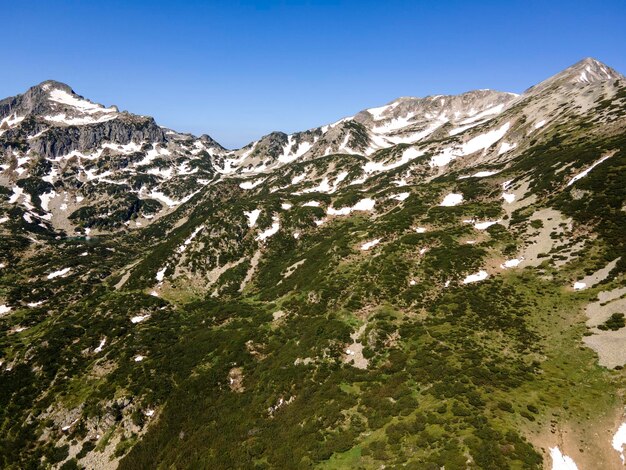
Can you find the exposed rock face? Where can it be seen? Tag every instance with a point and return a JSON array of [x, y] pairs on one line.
[[123, 130], [56, 122]]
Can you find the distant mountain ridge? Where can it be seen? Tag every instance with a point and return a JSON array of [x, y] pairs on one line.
[[50, 129]]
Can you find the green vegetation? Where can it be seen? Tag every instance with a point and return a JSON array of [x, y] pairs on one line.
[[239, 354], [614, 323]]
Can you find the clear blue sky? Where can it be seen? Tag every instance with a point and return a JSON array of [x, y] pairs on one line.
[[240, 69]]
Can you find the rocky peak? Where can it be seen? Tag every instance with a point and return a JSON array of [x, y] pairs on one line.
[[57, 104], [588, 71]]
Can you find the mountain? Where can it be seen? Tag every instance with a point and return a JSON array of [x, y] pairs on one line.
[[437, 282], [76, 165]]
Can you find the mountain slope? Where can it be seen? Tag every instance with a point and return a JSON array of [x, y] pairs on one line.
[[427, 284]]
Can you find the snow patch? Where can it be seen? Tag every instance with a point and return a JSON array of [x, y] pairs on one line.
[[480, 142], [377, 113], [619, 439], [485, 140], [169, 202], [452, 199], [252, 216], [485, 225], [586, 172], [505, 147], [160, 275], [408, 155], [60, 273], [270, 231], [394, 124], [17, 192], [511, 263], [366, 246], [479, 276], [63, 118], [63, 97], [298, 178], [487, 112], [400, 197], [186, 243], [139, 318], [483, 174], [45, 200], [508, 197], [251, 184], [560, 461], [100, 346], [366, 204]]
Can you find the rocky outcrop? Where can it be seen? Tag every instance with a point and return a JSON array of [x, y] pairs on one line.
[[59, 141]]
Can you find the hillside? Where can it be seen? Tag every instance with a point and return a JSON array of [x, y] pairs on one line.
[[436, 282]]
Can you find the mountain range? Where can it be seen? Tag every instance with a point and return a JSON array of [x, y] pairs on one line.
[[437, 282]]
